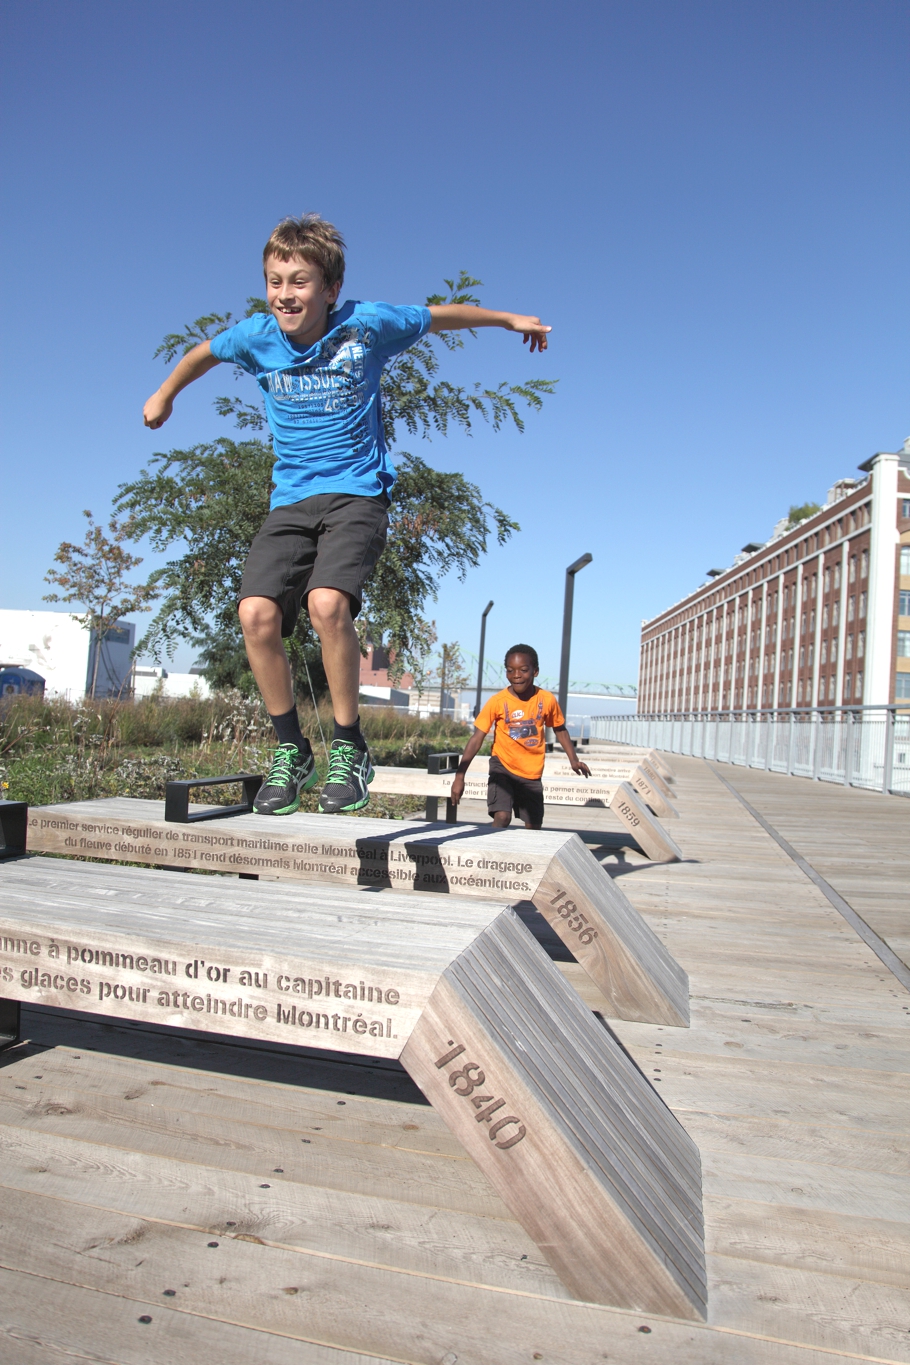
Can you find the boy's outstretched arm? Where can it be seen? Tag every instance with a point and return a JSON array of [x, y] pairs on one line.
[[449, 316], [195, 363], [471, 750], [565, 740]]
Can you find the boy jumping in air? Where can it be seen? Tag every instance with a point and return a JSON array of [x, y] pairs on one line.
[[520, 714], [319, 367]]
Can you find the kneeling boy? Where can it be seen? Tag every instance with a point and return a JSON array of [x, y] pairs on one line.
[[520, 714]]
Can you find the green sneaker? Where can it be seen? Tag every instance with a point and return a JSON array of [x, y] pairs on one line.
[[350, 769], [291, 773]]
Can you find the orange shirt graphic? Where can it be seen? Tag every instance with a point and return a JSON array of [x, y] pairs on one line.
[[519, 741]]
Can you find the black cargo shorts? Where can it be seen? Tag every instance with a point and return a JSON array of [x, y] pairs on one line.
[[331, 540], [521, 796]]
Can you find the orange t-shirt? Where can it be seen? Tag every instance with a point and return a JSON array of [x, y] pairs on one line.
[[519, 741]]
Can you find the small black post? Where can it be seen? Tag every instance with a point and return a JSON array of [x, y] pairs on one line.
[[13, 836], [177, 798], [13, 828], [571, 571], [9, 1023], [478, 703], [443, 763]]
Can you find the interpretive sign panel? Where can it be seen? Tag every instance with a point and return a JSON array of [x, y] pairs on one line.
[[552, 869], [620, 797]]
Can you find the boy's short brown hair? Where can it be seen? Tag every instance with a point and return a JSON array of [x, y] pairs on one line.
[[314, 240]]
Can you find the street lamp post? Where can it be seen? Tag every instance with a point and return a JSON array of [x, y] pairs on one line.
[[571, 571], [483, 635]]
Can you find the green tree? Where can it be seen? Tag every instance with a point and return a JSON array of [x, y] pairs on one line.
[[453, 675], [798, 514], [94, 575], [213, 498]]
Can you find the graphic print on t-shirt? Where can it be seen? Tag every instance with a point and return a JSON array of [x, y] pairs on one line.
[[333, 380], [525, 726], [322, 402], [519, 739]]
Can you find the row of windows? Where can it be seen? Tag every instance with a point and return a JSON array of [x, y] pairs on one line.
[[707, 629], [827, 692], [804, 550]]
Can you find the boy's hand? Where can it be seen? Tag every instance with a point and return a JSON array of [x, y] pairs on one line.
[[532, 330], [196, 362], [579, 767], [157, 410], [457, 791], [449, 316]]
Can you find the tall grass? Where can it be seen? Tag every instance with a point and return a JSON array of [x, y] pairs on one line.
[[53, 750]]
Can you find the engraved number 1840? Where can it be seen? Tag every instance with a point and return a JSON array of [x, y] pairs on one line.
[[465, 1080]]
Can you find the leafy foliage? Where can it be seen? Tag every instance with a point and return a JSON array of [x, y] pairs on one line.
[[439, 524], [94, 575], [53, 750], [798, 514]]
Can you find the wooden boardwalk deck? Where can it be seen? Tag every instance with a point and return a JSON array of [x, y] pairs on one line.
[[167, 1197]]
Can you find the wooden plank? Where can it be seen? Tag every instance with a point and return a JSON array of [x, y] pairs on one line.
[[44, 1321], [656, 757], [568, 791], [626, 960], [621, 1221], [306, 1297], [208, 1134], [629, 1174], [870, 1320], [652, 789], [150, 1075], [245, 959], [274, 1208], [653, 839], [876, 1250], [637, 983], [842, 832]]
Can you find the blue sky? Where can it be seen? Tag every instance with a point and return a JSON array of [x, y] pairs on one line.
[[708, 202]]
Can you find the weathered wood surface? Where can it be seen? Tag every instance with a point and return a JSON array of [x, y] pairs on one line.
[[553, 870], [619, 797], [558, 770], [542, 1097], [843, 832], [793, 1080], [611, 769], [44, 1321], [657, 758]]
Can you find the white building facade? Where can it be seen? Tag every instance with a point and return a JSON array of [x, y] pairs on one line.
[[55, 645]]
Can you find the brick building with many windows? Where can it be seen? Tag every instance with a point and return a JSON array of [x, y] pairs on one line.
[[817, 616]]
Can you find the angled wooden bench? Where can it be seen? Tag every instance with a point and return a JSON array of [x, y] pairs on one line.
[[552, 869], [652, 789], [604, 764], [621, 798], [654, 757], [567, 1129]]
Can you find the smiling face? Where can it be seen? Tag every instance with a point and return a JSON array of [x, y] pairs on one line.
[[298, 298], [521, 673]]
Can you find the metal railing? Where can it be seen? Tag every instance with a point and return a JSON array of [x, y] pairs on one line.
[[857, 746]]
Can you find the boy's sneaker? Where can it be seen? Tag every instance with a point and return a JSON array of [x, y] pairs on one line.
[[291, 773], [350, 769]]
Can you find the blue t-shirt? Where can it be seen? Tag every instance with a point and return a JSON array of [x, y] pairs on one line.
[[322, 402]]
